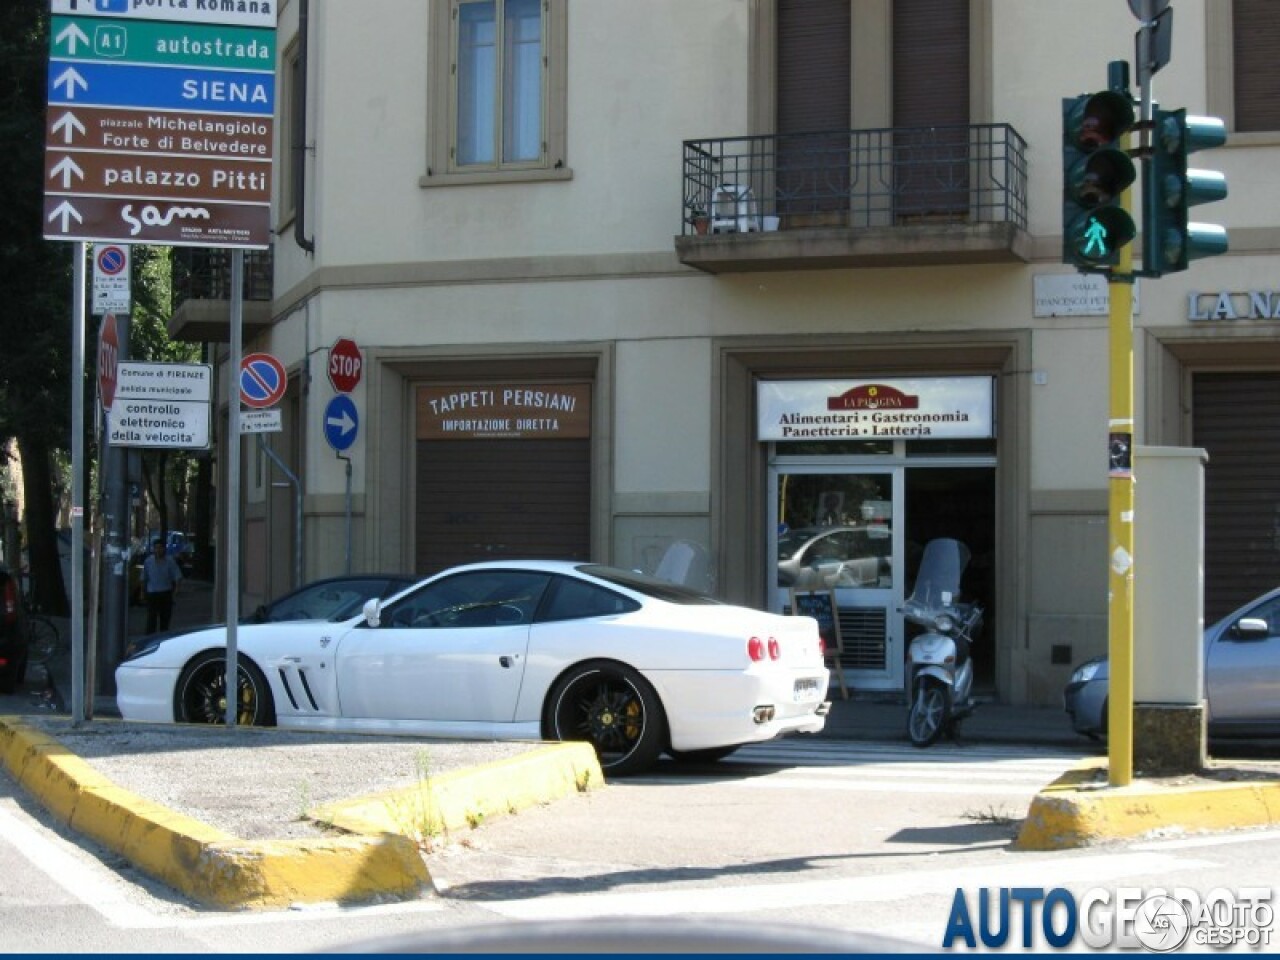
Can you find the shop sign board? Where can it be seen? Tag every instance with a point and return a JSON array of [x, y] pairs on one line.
[[160, 122], [504, 411], [927, 408]]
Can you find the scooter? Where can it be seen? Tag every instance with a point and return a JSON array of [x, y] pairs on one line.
[[940, 670]]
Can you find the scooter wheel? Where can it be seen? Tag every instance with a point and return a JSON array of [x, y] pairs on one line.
[[929, 714]]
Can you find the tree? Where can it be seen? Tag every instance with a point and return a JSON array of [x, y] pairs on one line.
[[35, 287]]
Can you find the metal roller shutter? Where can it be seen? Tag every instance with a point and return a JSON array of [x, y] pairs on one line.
[[1236, 418], [494, 499]]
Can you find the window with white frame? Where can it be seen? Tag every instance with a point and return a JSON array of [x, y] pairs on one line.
[[498, 97]]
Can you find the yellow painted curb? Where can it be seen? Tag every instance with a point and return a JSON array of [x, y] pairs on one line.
[[1079, 809], [461, 798], [216, 869]]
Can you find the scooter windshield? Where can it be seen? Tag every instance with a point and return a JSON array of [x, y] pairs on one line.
[[938, 582]]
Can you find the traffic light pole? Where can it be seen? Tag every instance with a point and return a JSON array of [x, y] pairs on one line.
[[1121, 493]]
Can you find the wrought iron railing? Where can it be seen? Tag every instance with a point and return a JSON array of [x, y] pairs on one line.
[[204, 273], [856, 178]]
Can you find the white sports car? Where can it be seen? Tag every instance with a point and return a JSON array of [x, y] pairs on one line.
[[510, 650]]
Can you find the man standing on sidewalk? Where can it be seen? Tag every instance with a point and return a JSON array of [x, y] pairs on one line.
[[160, 577]]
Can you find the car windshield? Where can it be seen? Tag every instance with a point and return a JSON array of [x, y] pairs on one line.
[[649, 586]]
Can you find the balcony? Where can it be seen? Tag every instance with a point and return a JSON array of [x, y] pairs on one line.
[[201, 280], [860, 198]]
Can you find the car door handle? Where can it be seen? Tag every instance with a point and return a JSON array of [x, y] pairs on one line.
[[507, 662]]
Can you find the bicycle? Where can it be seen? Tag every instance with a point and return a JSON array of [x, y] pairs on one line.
[[44, 641]]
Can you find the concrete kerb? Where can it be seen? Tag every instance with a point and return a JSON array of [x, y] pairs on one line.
[[1080, 809], [379, 859]]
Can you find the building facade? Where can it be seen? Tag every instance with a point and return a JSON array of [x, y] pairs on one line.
[[700, 282]]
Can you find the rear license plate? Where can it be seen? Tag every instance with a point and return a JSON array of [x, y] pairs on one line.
[[806, 690]]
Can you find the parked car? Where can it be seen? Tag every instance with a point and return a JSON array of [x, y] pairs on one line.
[[812, 558], [13, 638], [523, 650], [1241, 676]]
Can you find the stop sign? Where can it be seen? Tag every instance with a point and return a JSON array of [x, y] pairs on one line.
[[345, 365], [108, 357]]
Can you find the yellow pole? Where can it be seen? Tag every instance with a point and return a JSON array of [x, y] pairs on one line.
[[1120, 521]]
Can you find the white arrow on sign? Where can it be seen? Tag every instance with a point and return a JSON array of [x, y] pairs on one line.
[[72, 34], [68, 125], [344, 422], [70, 77], [66, 211], [67, 168]]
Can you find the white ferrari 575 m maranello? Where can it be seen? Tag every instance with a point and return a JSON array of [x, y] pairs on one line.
[[509, 650]]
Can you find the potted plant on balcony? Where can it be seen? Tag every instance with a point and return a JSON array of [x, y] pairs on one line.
[[699, 219]]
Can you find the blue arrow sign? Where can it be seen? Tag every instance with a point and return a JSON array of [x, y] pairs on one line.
[[164, 88], [341, 422]]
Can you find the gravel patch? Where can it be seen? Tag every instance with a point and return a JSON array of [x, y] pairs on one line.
[[256, 783]]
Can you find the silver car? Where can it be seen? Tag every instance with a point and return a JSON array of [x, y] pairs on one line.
[[1241, 676]]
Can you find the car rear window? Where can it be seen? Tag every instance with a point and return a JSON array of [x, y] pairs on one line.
[[649, 586]]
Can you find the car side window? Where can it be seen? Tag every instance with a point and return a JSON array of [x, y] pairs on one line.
[[323, 600], [578, 600], [478, 598]]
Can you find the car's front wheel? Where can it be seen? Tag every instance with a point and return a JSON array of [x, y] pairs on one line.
[[201, 693], [612, 707]]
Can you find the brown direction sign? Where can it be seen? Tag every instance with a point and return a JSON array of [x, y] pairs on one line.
[[174, 132], [133, 220], [158, 176]]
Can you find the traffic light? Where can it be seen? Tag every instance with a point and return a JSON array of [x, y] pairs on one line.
[[1169, 241], [1096, 170]]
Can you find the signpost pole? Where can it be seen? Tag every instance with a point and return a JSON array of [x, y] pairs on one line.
[[78, 713], [115, 500], [233, 483]]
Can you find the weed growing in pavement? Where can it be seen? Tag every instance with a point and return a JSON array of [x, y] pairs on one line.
[[304, 800], [999, 817], [414, 810], [475, 818], [584, 781]]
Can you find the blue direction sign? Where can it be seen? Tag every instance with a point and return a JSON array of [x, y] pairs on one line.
[[341, 422], [161, 88]]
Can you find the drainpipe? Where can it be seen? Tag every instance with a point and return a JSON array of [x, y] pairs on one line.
[[299, 157]]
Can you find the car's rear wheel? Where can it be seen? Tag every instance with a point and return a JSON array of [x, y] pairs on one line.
[[613, 708], [709, 755], [201, 693]]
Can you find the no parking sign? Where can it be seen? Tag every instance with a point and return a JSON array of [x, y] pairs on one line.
[[111, 279]]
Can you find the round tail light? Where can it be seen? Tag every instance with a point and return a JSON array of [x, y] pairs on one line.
[[755, 649], [775, 651]]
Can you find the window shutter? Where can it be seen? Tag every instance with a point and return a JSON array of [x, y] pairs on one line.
[[1256, 56]]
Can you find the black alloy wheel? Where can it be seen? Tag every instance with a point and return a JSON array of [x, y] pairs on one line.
[[201, 693], [613, 708]]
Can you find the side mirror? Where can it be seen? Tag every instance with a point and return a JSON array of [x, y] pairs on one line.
[[1250, 628], [373, 611]]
